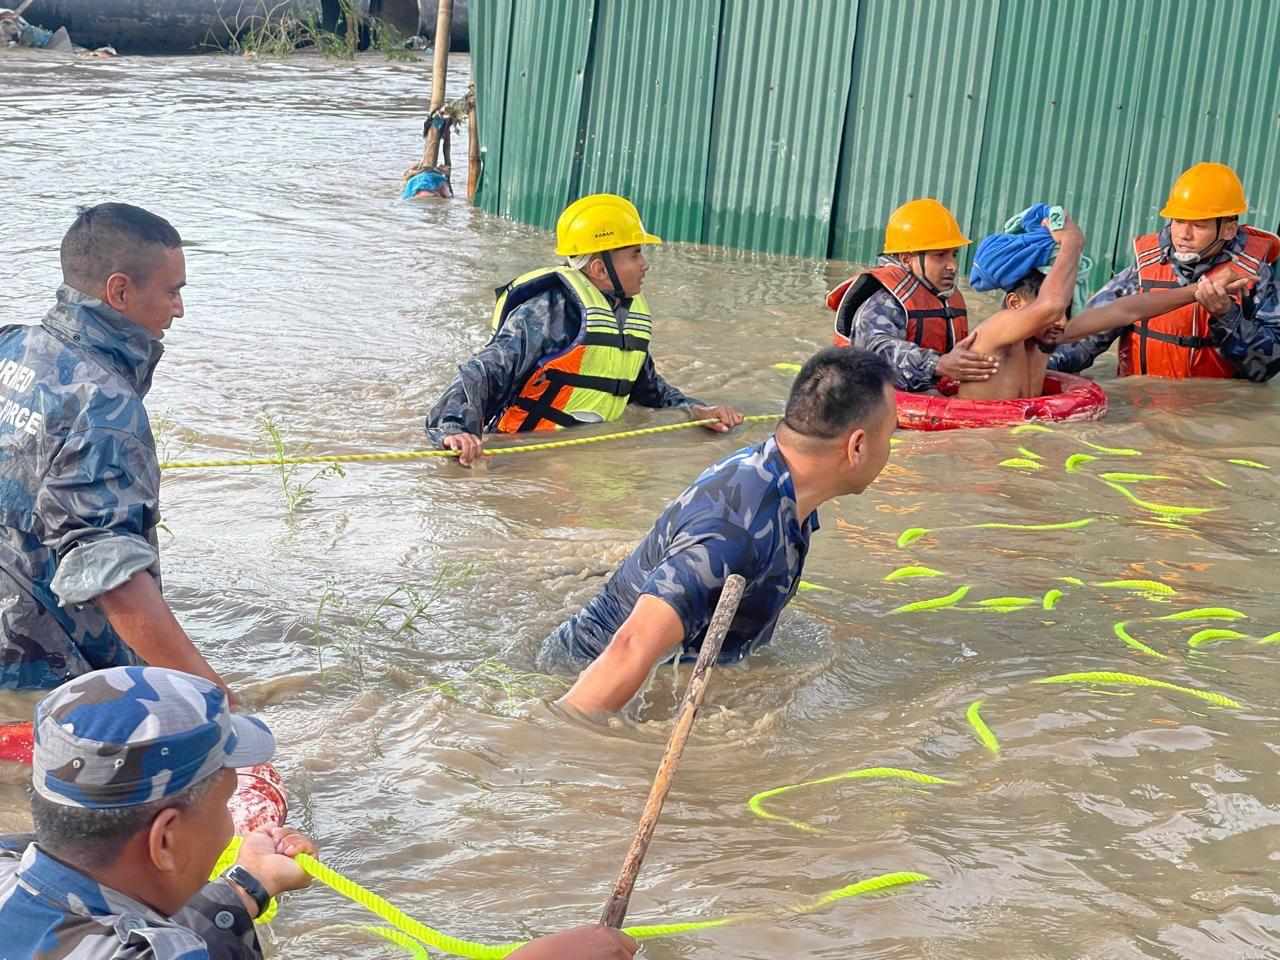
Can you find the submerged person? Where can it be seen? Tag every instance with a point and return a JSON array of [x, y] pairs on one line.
[[907, 308], [751, 514], [132, 772], [570, 343], [79, 478], [1037, 316], [1223, 333]]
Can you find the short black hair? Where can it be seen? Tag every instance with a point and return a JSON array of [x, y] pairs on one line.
[[113, 238], [837, 388], [96, 838], [1029, 287]]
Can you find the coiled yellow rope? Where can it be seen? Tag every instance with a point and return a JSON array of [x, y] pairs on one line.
[[405, 455]]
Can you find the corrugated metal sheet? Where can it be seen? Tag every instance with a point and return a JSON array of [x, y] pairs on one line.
[[548, 58], [781, 91], [795, 127], [916, 112], [1210, 91], [654, 78], [490, 46], [1059, 123]]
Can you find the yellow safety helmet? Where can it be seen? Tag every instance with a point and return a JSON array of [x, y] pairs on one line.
[[920, 225], [1207, 191], [600, 222]]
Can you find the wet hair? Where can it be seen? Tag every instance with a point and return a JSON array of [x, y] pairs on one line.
[[113, 238], [1029, 287], [96, 838], [837, 388]]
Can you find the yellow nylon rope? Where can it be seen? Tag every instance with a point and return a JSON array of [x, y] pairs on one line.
[[404, 455], [405, 924]]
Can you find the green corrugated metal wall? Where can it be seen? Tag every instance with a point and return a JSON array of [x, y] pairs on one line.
[[795, 126]]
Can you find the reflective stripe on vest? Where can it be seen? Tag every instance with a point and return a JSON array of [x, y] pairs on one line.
[[1180, 344], [931, 322], [594, 376]]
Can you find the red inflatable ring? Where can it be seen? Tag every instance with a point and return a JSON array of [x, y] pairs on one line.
[[259, 800], [1065, 397]]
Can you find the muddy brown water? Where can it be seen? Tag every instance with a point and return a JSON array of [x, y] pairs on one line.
[[1116, 822]]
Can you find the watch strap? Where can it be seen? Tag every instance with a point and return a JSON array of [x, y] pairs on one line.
[[247, 882]]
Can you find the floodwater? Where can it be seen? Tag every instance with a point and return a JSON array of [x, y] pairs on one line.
[[420, 748]]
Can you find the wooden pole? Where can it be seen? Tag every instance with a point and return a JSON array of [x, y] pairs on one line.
[[473, 149], [439, 78], [615, 908]]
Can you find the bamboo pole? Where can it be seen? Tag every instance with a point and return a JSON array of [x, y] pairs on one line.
[[439, 78], [473, 149], [615, 908]]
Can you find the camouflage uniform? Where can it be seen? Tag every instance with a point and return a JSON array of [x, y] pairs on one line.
[[1250, 338], [739, 517], [118, 738], [79, 486], [538, 329], [880, 325]]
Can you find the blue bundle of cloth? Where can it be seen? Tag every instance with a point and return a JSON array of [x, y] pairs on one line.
[[1002, 259]]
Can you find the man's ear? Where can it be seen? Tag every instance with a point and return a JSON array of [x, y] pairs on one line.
[[116, 291], [856, 447], [162, 841], [1230, 229]]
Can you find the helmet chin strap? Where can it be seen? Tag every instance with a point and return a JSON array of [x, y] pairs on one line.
[[607, 259], [924, 277], [1190, 259]]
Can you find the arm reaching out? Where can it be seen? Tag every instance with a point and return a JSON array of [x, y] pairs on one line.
[[651, 632], [1015, 326], [1140, 306]]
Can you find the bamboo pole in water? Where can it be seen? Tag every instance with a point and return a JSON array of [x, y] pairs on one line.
[[473, 148], [439, 77], [615, 908]]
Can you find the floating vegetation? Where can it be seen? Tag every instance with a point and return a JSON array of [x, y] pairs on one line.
[[297, 493]]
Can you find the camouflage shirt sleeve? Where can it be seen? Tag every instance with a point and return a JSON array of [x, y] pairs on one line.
[[651, 390], [98, 502], [1074, 357], [488, 382], [217, 914], [880, 325], [1250, 338]]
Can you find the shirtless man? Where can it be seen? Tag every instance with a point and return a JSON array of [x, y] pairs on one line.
[[1022, 336]]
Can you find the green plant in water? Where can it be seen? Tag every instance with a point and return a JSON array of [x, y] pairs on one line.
[[400, 613], [275, 31], [297, 493], [491, 674]]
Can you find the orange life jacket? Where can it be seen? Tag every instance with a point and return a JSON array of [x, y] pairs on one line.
[[1179, 344], [932, 323]]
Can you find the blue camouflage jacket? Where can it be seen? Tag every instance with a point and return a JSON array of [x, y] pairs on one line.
[[542, 327], [1250, 338], [79, 486], [51, 911], [740, 517]]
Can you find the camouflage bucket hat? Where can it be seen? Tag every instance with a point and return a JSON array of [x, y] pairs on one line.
[[132, 735]]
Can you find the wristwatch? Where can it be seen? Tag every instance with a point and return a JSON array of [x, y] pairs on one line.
[[247, 882]]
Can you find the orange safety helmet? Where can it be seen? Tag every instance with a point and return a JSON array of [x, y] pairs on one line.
[[921, 225], [1206, 191]]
